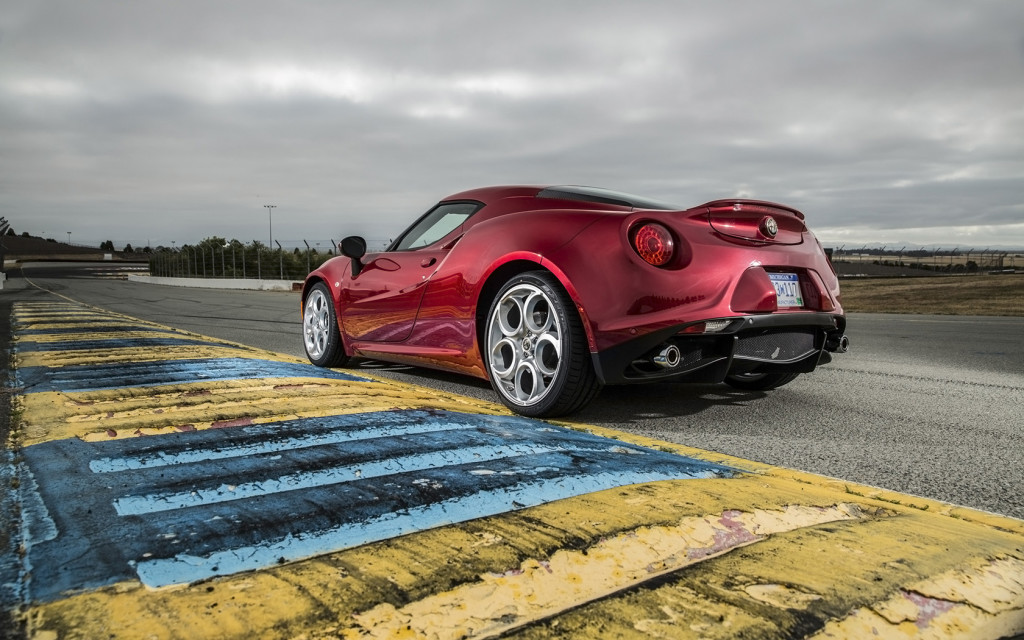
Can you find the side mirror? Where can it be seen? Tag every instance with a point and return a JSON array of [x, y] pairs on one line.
[[354, 247]]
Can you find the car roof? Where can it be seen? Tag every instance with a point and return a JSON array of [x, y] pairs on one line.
[[577, 193], [488, 195]]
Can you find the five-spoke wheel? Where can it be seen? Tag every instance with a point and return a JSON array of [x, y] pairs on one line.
[[320, 329], [536, 349]]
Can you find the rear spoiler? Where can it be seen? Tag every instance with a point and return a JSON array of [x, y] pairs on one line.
[[740, 204]]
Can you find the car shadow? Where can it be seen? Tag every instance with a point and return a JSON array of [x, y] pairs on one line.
[[624, 404], [432, 378], [627, 404]]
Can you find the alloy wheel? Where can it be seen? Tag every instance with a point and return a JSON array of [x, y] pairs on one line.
[[524, 340], [316, 324]]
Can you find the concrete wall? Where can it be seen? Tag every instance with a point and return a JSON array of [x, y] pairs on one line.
[[220, 283]]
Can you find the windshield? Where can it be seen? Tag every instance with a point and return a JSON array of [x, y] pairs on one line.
[[436, 224]]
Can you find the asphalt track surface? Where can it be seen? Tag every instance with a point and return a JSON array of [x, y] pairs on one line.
[[926, 405]]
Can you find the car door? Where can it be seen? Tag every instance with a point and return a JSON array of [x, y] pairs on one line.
[[380, 304]]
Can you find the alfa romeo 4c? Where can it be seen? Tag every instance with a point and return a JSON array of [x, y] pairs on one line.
[[551, 292]]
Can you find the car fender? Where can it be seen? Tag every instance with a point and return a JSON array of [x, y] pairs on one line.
[[480, 262], [576, 299], [486, 247], [333, 273], [514, 239], [543, 263]]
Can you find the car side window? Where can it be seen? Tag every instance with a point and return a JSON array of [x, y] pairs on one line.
[[436, 224]]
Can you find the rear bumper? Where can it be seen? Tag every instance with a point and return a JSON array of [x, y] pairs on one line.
[[775, 343]]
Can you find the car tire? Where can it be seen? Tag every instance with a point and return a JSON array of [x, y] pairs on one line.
[[536, 350], [760, 381], [320, 335]]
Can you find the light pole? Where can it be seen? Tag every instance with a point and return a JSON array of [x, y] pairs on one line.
[[270, 220], [69, 237]]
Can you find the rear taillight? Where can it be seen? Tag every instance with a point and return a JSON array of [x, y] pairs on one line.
[[654, 243]]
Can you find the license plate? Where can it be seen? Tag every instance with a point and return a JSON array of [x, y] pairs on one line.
[[787, 289]]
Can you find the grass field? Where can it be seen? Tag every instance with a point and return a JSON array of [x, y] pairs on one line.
[[980, 295]]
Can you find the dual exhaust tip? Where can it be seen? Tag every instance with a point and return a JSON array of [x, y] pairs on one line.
[[842, 345], [669, 357]]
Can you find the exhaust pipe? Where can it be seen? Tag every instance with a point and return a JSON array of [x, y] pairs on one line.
[[668, 358], [838, 345]]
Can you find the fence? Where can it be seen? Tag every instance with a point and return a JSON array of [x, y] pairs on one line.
[[219, 259], [941, 260]]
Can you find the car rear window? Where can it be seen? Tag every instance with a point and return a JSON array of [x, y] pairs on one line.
[[604, 196]]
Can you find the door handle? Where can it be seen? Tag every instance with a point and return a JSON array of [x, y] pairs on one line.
[[428, 262]]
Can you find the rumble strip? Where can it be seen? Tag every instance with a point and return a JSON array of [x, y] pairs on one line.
[[178, 486]]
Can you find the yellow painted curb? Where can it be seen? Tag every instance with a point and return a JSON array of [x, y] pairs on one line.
[[139, 411], [679, 559], [770, 553]]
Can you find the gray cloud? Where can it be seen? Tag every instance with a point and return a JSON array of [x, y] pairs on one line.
[[153, 121]]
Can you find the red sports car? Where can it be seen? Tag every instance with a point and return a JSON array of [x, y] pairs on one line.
[[552, 292]]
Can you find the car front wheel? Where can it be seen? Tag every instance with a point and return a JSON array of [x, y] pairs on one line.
[[320, 333], [536, 349]]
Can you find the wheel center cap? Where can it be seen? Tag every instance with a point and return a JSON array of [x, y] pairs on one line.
[[527, 344]]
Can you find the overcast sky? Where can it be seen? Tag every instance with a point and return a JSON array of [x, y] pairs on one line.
[[144, 121]]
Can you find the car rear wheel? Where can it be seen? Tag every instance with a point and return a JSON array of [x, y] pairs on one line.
[[760, 381], [320, 333], [536, 349]]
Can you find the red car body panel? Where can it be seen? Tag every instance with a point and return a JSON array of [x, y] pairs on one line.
[[426, 306]]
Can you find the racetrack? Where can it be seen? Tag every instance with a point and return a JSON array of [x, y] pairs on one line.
[[927, 405]]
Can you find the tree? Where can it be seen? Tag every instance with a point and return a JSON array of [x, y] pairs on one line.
[[128, 248], [215, 241], [107, 245]]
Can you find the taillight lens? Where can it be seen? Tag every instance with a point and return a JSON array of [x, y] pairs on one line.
[[654, 243]]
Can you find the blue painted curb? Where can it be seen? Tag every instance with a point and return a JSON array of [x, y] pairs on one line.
[[179, 508], [96, 377]]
